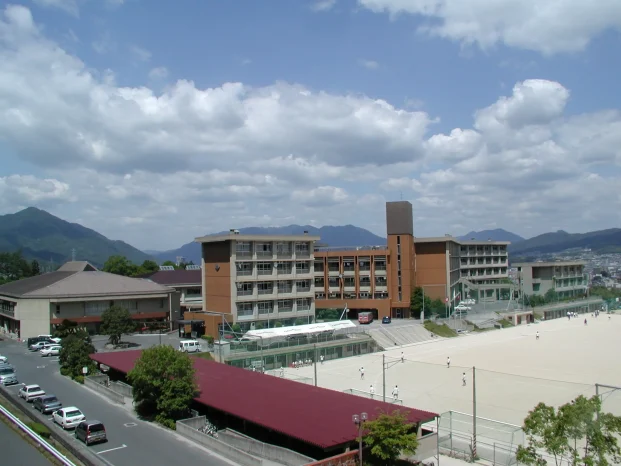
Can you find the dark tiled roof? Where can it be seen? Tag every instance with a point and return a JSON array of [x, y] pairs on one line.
[[28, 285], [175, 277], [311, 414]]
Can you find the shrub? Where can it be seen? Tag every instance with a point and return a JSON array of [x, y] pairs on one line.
[[209, 339], [40, 430], [65, 371], [79, 379]]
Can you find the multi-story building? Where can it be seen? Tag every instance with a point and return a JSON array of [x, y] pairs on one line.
[[566, 278], [484, 262], [257, 281]]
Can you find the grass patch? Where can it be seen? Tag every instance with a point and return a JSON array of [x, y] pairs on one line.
[[538, 316], [504, 323], [440, 330], [205, 355]]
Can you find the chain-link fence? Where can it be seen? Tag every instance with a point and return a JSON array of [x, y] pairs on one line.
[[611, 398]]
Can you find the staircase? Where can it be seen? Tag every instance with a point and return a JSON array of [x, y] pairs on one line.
[[388, 337]]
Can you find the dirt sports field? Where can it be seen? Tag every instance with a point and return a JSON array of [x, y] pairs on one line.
[[514, 371]]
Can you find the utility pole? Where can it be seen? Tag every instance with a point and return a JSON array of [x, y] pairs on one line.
[[315, 361], [384, 377], [474, 412], [422, 314]]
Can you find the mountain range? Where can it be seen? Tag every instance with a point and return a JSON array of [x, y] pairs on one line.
[[49, 239], [46, 238]]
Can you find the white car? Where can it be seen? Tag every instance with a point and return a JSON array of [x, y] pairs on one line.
[[53, 350], [38, 345], [56, 340], [68, 418], [462, 307], [3, 359], [470, 301], [30, 392]]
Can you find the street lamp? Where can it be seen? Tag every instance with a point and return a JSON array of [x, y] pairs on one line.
[[359, 420]]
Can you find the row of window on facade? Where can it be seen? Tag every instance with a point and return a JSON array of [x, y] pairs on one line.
[[480, 272], [270, 287], [97, 308], [269, 268], [350, 282], [352, 295], [502, 260], [349, 264], [483, 249], [268, 248], [270, 307]]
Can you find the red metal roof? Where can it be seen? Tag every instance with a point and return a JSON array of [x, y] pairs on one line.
[[314, 415]]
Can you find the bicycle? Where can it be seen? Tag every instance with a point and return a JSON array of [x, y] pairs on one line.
[[209, 429]]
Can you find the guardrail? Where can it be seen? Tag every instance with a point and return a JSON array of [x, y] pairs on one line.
[[37, 438]]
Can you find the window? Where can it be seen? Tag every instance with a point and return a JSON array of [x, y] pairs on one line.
[[285, 286], [349, 281], [264, 268], [333, 282], [381, 295], [283, 249], [193, 292], [302, 267], [380, 264], [244, 289], [364, 295], [348, 264], [302, 286], [265, 287], [319, 266], [96, 308], [243, 249], [283, 268], [380, 281], [302, 249], [130, 305], [244, 268], [365, 281], [320, 296], [265, 307], [333, 265], [244, 309], [264, 249], [303, 304], [285, 305], [364, 264], [319, 282]]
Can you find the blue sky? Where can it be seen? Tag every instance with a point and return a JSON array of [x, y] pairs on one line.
[[350, 151]]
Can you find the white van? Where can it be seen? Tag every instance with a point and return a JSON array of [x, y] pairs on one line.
[[189, 346]]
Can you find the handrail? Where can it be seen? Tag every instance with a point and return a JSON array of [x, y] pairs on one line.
[[34, 436]]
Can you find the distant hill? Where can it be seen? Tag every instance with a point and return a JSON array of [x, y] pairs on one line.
[[44, 237], [602, 241], [339, 236], [495, 235]]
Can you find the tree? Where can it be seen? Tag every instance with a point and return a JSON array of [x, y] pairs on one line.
[[577, 432], [35, 268], [13, 267], [164, 384], [437, 307], [74, 356], [120, 265], [170, 264], [116, 322], [148, 266], [390, 435], [551, 296], [416, 302]]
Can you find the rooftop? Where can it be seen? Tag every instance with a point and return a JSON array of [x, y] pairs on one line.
[[239, 237], [314, 415], [549, 263], [175, 277], [463, 242]]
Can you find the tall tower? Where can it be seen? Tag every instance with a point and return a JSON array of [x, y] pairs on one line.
[[400, 232]]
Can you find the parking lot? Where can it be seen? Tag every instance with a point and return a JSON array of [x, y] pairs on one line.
[[131, 441], [145, 340]]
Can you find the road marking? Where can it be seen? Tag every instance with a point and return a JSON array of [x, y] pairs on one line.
[[112, 449], [130, 424], [40, 367]]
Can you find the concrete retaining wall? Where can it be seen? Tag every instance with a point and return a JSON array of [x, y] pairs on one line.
[[263, 450], [122, 389], [427, 447], [345, 459], [188, 428], [94, 383]]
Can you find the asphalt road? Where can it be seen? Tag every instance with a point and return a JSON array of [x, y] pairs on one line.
[[15, 450], [130, 440]]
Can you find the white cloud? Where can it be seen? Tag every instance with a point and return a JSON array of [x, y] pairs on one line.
[[204, 160], [161, 72], [140, 53], [368, 64], [69, 6], [323, 5], [553, 26]]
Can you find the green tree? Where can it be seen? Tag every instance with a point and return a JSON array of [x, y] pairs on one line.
[[13, 267], [164, 384], [116, 322], [35, 268], [120, 265], [146, 267], [74, 355], [551, 296], [170, 264], [437, 307], [390, 435], [577, 432], [416, 302]]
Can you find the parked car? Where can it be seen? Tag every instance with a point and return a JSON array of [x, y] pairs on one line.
[[91, 432], [3, 360], [47, 404], [7, 375], [68, 418], [56, 340], [30, 392], [462, 307], [53, 350], [38, 345], [386, 320]]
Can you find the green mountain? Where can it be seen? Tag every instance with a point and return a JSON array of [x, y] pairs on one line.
[[495, 235], [44, 237], [602, 241]]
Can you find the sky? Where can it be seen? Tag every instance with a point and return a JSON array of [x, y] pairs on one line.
[[156, 121]]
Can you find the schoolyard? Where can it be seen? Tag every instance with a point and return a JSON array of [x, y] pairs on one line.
[[514, 371]]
